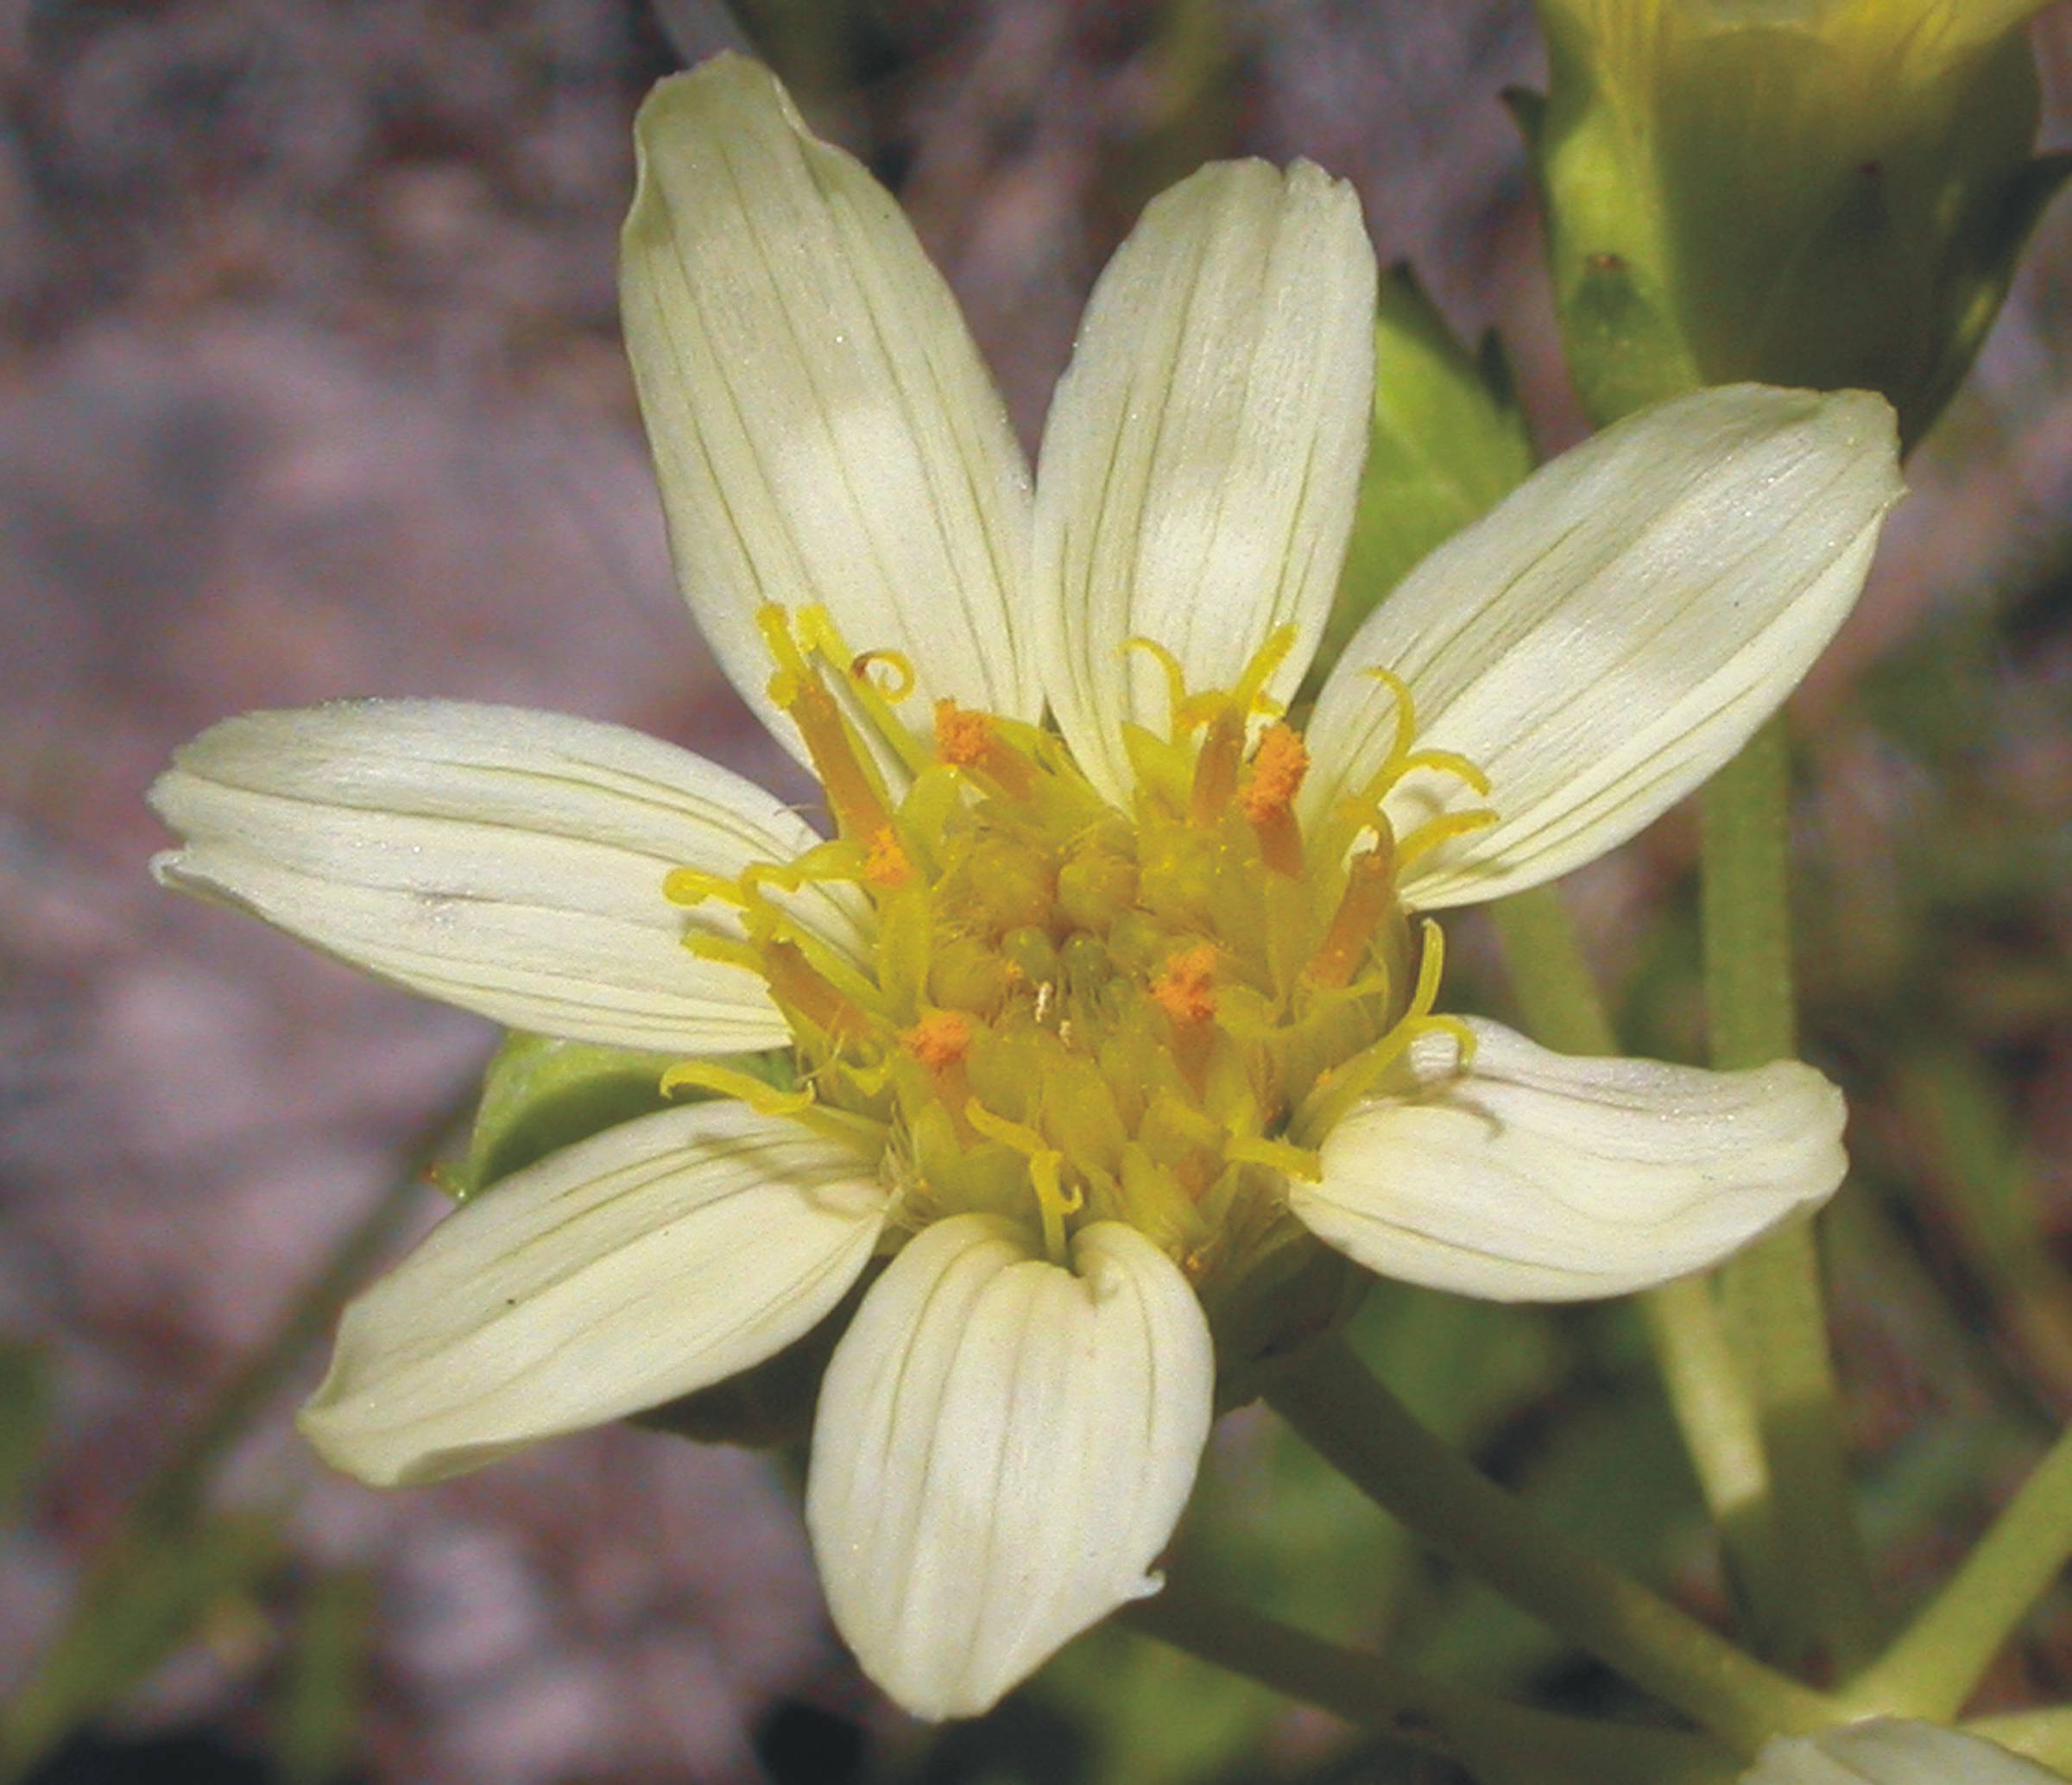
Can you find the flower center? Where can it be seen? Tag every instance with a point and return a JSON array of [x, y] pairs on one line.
[[1074, 1012]]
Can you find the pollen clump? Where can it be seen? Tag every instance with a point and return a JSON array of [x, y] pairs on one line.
[[1070, 1011], [940, 1040], [885, 864], [1278, 768], [1185, 987], [961, 736]]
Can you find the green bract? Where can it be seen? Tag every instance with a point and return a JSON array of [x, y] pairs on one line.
[[1448, 442], [1829, 193]]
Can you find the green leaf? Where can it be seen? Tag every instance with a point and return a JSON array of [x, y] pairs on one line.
[[145, 1599], [24, 1418], [540, 1094], [317, 1714], [1448, 443]]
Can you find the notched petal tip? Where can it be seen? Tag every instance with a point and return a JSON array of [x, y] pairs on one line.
[[1002, 1448], [823, 431]]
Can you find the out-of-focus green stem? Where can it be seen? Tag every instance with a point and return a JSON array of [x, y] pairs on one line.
[[1815, 1602], [173, 1488], [1557, 992], [1359, 1426], [1558, 995], [1939, 1660], [131, 1609], [1749, 1000], [1503, 1743]]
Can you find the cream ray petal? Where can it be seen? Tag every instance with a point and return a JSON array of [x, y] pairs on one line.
[[1613, 632], [1540, 1176], [507, 861], [1003, 1446], [1892, 1751], [1202, 460], [824, 429], [656, 1257]]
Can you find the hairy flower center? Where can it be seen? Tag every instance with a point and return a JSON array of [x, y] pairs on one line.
[[1074, 1012]]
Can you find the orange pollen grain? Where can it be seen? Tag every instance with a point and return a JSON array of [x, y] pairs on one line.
[[885, 864], [940, 1040], [1278, 767], [1185, 989], [961, 736]]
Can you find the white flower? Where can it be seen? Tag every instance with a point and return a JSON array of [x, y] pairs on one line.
[[1098, 1023], [1890, 1751]]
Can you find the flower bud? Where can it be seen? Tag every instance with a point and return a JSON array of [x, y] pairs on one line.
[[1827, 194]]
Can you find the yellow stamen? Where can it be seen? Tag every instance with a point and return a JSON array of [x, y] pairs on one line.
[[1215, 768], [797, 987], [1434, 831], [1268, 799], [1280, 1155], [903, 678], [693, 886], [1251, 690], [1366, 904], [1054, 1199], [1335, 1092], [854, 795], [1449, 762], [823, 638], [1176, 680], [969, 740], [1406, 711], [764, 1099]]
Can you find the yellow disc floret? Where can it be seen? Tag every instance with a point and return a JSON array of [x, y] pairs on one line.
[[1073, 1012]]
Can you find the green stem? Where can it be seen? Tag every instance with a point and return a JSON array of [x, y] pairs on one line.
[[1354, 1421], [172, 1493], [1816, 1600], [155, 1575], [1938, 1662], [1501, 1741], [2044, 1736], [1709, 1396], [1557, 994], [1749, 1002]]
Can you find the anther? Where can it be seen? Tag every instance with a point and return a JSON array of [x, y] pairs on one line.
[[969, 740], [1370, 890], [799, 988], [885, 863], [940, 1040], [1269, 798], [1278, 767], [1185, 987], [853, 792]]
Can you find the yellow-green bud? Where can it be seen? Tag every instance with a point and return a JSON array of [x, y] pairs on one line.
[[1821, 192]]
